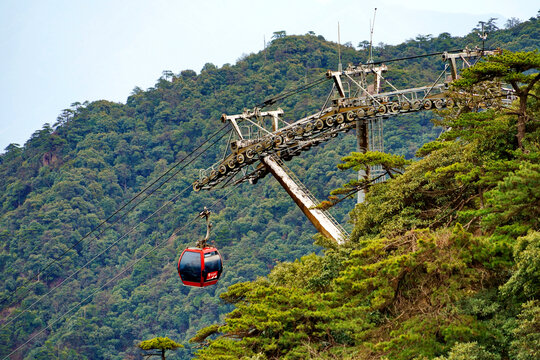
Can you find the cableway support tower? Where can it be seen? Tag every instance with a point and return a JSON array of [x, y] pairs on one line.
[[361, 98]]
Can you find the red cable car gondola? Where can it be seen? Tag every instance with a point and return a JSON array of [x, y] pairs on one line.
[[202, 265]]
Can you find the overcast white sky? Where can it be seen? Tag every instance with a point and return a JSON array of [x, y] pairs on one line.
[[57, 52]]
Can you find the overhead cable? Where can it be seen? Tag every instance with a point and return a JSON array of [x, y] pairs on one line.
[[58, 258], [135, 262]]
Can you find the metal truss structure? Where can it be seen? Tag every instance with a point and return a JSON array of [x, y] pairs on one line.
[[263, 139]]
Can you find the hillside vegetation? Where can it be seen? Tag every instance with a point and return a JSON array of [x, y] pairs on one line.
[[443, 260]]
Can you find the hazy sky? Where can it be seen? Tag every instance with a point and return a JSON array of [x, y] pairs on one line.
[[55, 52]]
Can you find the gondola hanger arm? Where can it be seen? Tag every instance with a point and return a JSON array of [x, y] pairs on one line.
[[205, 214]]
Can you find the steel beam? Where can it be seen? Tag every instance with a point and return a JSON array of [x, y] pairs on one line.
[[317, 217]]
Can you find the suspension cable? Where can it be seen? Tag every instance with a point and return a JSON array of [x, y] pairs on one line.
[[94, 258], [318, 81], [114, 243], [417, 56], [135, 262], [291, 92], [126, 204]]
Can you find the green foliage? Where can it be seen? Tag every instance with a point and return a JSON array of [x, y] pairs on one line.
[[516, 199], [370, 299], [391, 296], [524, 283], [510, 67], [159, 343], [423, 196], [204, 333], [391, 164], [519, 69], [48, 351], [162, 344], [469, 351], [526, 345], [397, 292]]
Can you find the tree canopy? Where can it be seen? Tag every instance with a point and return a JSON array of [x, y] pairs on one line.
[[444, 248], [159, 343], [521, 70], [442, 262]]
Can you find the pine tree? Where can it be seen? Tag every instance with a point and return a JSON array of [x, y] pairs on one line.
[[161, 344], [519, 69]]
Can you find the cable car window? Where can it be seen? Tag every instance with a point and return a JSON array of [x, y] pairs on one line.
[[190, 266], [212, 266]]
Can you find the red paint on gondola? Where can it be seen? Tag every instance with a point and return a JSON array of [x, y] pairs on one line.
[[200, 267]]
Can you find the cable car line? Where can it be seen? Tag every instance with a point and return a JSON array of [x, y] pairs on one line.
[[412, 57], [114, 243], [148, 193], [426, 55], [291, 92], [129, 202], [350, 109], [135, 262], [359, 100], [318, 81], [95, 257]]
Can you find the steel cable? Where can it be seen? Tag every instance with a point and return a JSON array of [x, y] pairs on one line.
[[135, 262], [126, 204]]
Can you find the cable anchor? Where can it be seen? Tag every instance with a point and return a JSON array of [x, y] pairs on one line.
[[205, 214]]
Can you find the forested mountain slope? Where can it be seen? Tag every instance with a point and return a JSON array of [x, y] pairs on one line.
[[119, 286]]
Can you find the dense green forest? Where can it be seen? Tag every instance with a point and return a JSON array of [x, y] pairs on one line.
[[443, 260]]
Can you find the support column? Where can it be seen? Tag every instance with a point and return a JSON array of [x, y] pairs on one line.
[[317, 217], [362, 146]]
